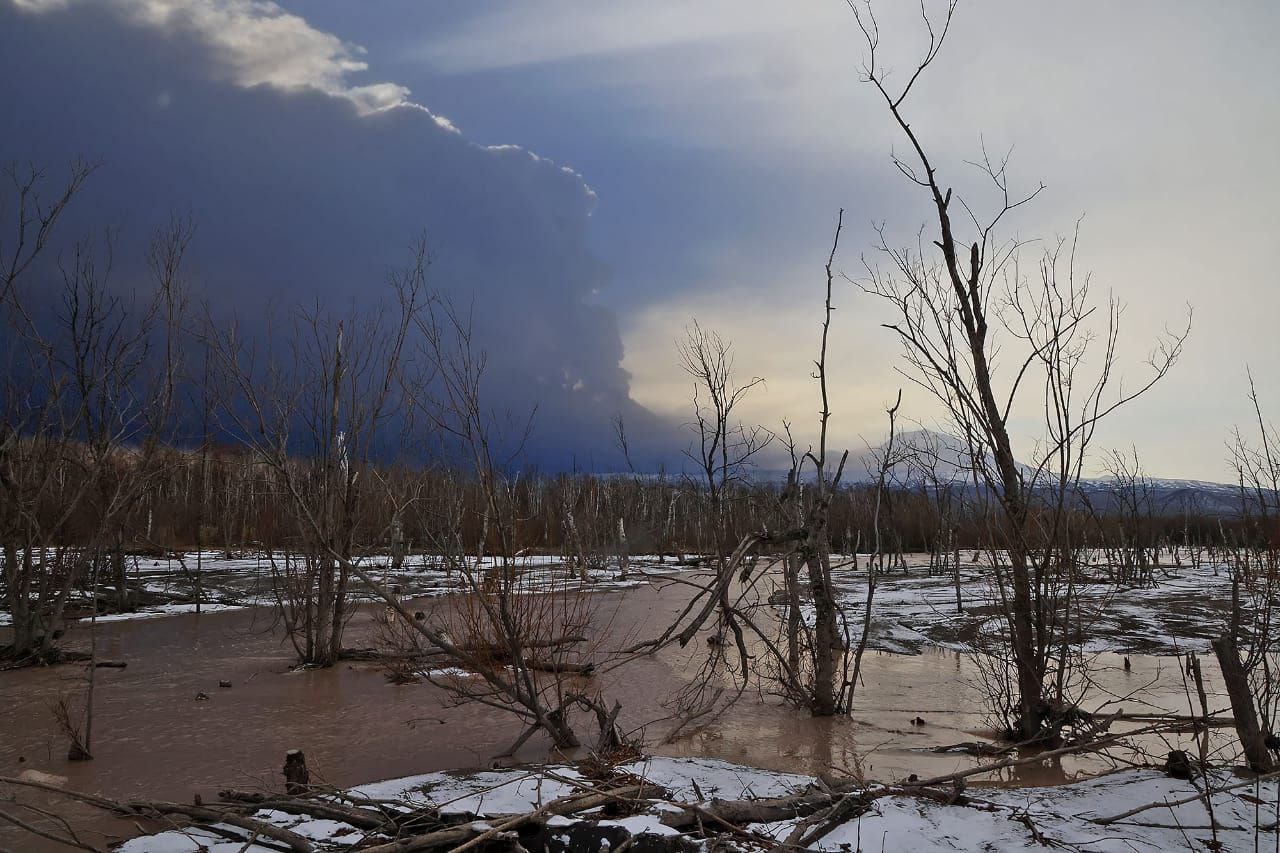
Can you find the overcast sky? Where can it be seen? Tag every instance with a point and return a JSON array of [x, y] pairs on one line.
[[599, 174]]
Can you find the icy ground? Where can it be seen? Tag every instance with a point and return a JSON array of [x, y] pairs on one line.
[[1182, 611], [1027, 819], [1185, 608], [234, 581]]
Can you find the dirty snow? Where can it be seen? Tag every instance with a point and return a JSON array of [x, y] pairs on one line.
[[1182, 611], [229, 581], [165, 610], [995, 819]]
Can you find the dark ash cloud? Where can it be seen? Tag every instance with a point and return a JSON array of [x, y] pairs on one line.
[[307, 189]]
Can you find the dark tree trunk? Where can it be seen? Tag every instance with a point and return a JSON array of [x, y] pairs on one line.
[[1252, 737]]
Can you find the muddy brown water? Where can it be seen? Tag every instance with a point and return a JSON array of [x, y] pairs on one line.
[[152, 738]]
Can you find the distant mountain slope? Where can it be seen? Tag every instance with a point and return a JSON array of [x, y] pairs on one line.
[[927, 456]]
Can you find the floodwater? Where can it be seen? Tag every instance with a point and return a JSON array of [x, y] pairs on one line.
[[153, 738]]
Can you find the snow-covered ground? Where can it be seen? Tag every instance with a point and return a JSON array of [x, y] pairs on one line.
[[227, 582], [158, 610], [993, 819], [1183, 610]]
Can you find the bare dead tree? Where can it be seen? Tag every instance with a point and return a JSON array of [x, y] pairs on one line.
[[1248, 650], [88, 413], [1133, 552], [955, 309], [888, 459], [515, 641], [724, 447], [829, 694], [940, 471], [36, 584], [318, 411], [807, 664], [35, 216]]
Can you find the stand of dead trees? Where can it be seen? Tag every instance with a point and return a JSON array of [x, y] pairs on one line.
[[510, 644], [309, 451], [317, 409], [88, 416], [795, 638]]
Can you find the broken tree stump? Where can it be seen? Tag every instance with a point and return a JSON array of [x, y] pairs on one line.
[[297, 779]]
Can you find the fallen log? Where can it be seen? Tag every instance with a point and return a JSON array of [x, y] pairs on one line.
[[91, 799], [204, 814], [40, 832], [804, 804], [365, 654], [1185, 719], [974, 748], [237, 836], [500, 650], [981, 769], [815, 828], [441, 839], [1199, 795], [504, 649], [587, 668], [357, 817], [821, 824], [471, 835], [739, 812], [142, 808]]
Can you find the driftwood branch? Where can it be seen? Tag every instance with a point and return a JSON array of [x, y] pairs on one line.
[[1199, 795], [202, 814]]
